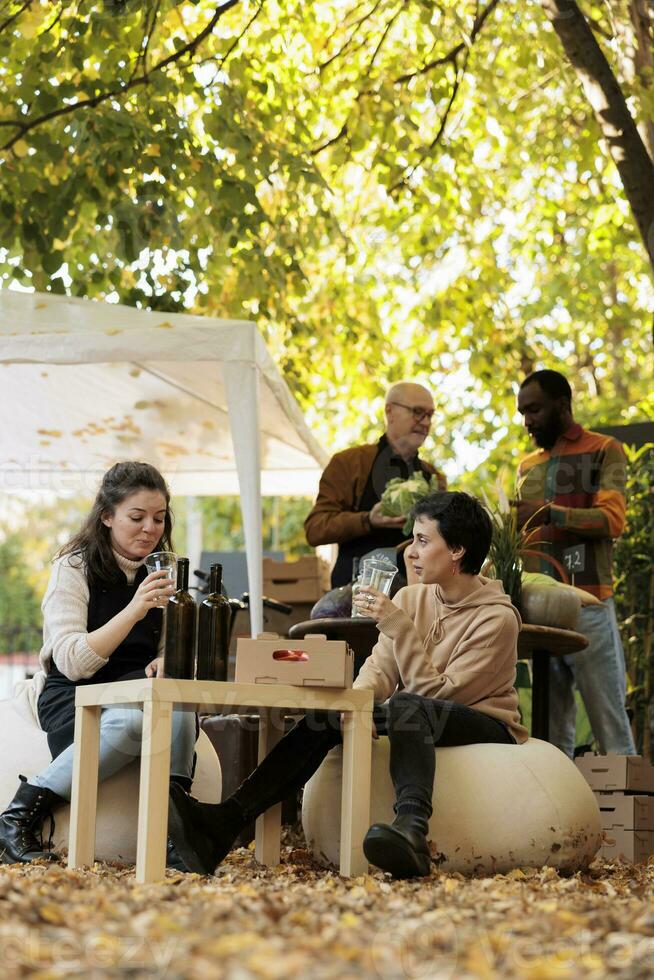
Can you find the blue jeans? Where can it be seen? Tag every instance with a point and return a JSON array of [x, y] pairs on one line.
[[120, 742], [599, 674]]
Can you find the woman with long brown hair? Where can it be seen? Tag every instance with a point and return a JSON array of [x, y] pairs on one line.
[[102, 622]]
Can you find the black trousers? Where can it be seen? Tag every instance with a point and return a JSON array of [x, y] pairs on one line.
[[415, 726]]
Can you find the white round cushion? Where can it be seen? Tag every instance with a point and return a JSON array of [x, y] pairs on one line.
[[496, 807], [25, 751]]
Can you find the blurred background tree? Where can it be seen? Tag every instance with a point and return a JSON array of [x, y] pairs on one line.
[[19, 599], [390, 189], [634, 570]]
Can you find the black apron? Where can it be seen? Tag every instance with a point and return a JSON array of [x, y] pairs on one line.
[[56, 704], [377, 537]]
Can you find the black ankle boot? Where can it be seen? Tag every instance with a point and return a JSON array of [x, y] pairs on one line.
[[400, 847], [22, 822], [174, 860], [202, 834]]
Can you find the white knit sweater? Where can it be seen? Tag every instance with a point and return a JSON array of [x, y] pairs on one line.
[[65, 615]]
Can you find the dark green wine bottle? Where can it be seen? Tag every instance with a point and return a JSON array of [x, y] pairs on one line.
[[181, 619], [213, 631]]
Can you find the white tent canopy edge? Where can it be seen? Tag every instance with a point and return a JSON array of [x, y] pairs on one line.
[[217, 370]]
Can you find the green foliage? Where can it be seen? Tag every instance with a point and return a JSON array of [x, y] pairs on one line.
[[283, 524], [504, 553], [20, 613], [391, 190], [634, 590]]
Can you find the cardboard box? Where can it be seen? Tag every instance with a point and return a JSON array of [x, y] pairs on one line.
[[274, 622], [622, 773], [312, 662], [304, 580], [628, 845], [626, 812]]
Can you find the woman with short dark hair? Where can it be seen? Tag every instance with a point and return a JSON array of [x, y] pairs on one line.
[[442, 673], [102, 622]]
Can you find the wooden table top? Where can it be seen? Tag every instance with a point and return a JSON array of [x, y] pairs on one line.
[[555, 641]]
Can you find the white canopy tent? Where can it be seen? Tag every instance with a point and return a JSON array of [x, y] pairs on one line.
[[84, 384]]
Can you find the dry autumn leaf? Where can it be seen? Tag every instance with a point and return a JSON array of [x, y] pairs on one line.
[[300, 920]]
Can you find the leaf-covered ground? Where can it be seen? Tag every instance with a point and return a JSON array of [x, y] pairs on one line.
[[299, 920]]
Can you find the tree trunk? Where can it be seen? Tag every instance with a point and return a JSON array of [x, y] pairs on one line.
[[608, 103], [641, 13]]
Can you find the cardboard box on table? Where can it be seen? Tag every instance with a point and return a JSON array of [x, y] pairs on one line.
[[274, 621], [313, 661], [621, 784], [301, 581]]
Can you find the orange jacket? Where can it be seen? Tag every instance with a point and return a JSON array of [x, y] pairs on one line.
[[335, 516]]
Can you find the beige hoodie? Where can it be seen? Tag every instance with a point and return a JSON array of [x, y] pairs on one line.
[[462, 651]]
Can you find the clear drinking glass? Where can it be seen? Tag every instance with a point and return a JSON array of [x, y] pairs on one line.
[[160, 561], [377, 573]]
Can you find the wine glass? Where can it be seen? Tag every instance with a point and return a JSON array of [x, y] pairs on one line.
[[163, 561]]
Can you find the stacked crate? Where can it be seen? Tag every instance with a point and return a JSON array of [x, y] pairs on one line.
[[296, 582], [624, 789]]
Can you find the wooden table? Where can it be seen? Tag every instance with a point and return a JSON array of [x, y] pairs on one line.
[[540, 643], [157, 697]]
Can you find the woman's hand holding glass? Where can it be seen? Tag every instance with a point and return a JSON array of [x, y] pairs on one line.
[[153, 593], [373, 604]]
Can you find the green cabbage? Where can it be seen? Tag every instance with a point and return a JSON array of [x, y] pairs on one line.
[[401, 495]]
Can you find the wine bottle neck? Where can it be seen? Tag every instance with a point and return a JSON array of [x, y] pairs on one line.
[[216, 578], [182, 574]]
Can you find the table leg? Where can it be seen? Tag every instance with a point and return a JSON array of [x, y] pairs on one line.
[[268, 827], [153, 791], [84, 797], [540, 695], [355, 799]]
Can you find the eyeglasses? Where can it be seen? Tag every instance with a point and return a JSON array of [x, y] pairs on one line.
[[418, 413]]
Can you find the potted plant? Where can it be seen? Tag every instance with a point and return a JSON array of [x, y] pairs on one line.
[[504, 557], [538, 598]]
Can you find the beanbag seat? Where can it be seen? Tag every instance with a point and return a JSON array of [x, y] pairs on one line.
[[496, 807], [25, 750]]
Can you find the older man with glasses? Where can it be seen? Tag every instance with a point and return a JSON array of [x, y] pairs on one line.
[[347, 511]]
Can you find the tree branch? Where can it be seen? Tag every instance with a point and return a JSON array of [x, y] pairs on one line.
[[10, 20], [617, 125], [408, 174], [345, 46], [59, 15], [25, 126], [450, 58], [380, 43], [334, 139], [222, 61], [480, 20], [141, 58]]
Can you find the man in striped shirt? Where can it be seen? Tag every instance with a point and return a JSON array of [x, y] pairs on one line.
[[571, 491]]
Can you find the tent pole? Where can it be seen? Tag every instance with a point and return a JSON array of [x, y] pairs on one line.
[[242, 390], [193, 532]]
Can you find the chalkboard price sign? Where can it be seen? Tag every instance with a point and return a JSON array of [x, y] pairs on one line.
[[574, 558]]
